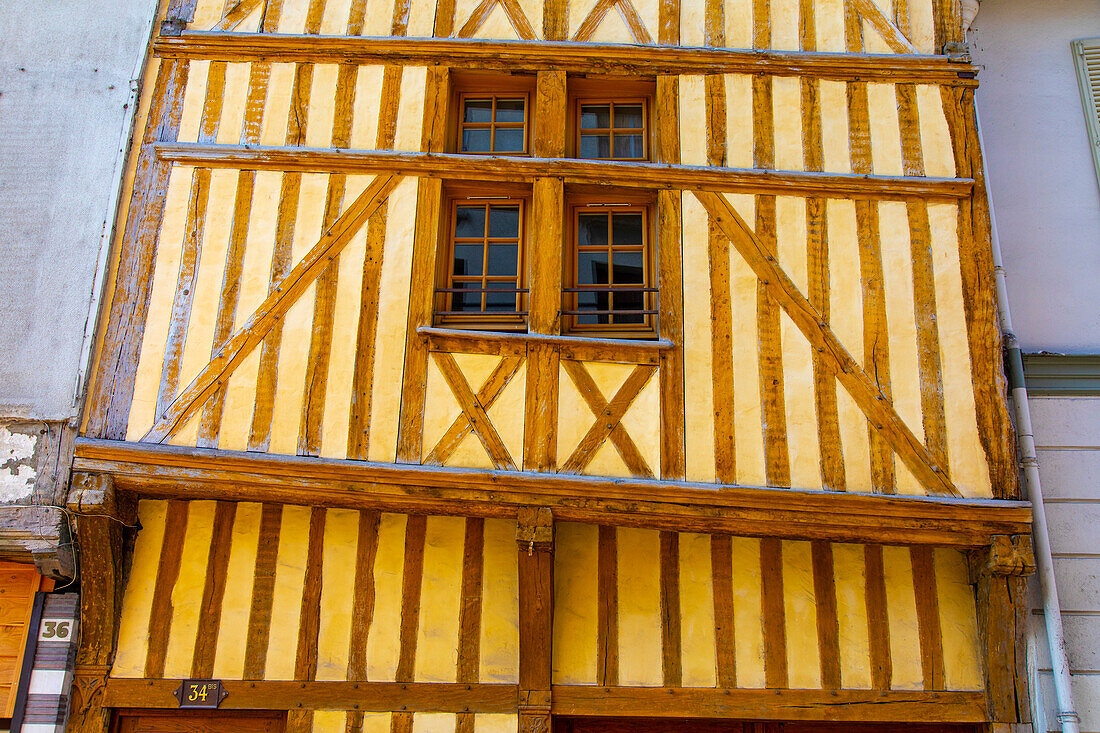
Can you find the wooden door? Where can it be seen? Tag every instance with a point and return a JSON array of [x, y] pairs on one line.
[[18, 584], [213, 721], [679, 725]]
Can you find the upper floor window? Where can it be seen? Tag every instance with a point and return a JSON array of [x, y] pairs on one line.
[[611, 119], [492, 113]]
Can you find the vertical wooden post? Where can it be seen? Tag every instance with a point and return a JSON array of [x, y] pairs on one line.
[[535, 538]]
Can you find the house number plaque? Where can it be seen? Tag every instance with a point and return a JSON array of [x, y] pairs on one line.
[[200, 693]]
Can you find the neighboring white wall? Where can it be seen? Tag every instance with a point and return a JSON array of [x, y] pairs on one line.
[[65, 114], [1039, 167]]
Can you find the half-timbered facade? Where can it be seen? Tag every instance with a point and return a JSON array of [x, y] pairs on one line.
[[504, 364]]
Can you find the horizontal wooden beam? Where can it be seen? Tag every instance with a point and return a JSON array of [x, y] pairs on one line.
[[625, 351], [601, 58], [879, 706], [585, 172], [289, 695], [160, 471]]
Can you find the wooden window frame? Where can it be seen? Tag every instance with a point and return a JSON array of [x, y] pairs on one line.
[[473, 85], [489, 195], [595, 201], [611, 90]]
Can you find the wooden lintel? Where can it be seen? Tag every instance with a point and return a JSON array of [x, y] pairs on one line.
[[571, 347], [512, 168], [570, 57], [882, 706], [160, 471], [361, 696]]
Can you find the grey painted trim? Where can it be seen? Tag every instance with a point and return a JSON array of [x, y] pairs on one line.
[[1061, 375]]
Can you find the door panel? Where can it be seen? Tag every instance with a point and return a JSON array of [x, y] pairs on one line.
[[214, 721]]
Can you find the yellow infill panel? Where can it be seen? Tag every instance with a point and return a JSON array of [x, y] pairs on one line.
[[849, 573], [137, 603], [901, 604], [639, 607], [187, 594], [697, 611], [800, 614], [286, 605], [499, 658], [747, 609], [440, 600], [236, 603], [389, 563], [575, 603], [337, 559], [958, 622]]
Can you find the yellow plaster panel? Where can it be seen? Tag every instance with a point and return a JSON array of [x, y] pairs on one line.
[[738, 23], [575, 603], [147, 381], [277, 107], [739, 141], [335, 20], [338, 556], [393, 309], [233, 100], [578, 11], [322, 106], [286, 602], [329, 721], [697, 612], [440, 407], [649, 12], [785, 31], [849, 574], [692, 26], [897, 276], [293, 358], [901, 608], [609, 377], [699, 410], [693, 119], [507, 414], [606, 462], [873, 41], [499, 654], [964, 449], [385, 630], [846, 318], [293, 19], [497, 26], [368, 96], [237, 598], [613, 29], [939, 157], [574, 417], [639, 607], [800, 613], [882, 105], [470, 453], [207, 13], [440, 600], [829, 19], [187, 593], [533, 10], [377, 722], [495, 723], [379, 18], [747, 612], [421, 18], [958, 622], [786, 99], [410, 112], [463, 10], [137, 602], [433, 722], [643, 422], [194, 98], [834, 126], [922, 32], [476, 368]]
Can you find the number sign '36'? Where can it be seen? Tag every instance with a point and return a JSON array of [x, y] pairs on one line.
[[200, 693]]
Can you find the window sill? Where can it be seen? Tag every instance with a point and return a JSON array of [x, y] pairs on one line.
[[581, 348]]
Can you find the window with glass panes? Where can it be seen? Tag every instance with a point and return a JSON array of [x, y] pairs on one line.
[[490, 123], [611, 279], [612, 130], [484, 280]]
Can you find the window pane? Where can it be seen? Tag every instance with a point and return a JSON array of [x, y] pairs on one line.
[[592, 268], [478, 110], [628, 115], [475, 141], [595, 146], [502, 259], [592, 230], [626, 230], [595, 116], [629, 146], [500, 301], [467, 259], [470, 222], [592, 301], [629, 301], [509, 140], [466, 301], [504, 221], [628, 268], [509, 110]]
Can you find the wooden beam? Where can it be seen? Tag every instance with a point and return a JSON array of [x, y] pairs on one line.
[[507, 168], [580, 348], [602, 58], [885, 27], [884, 706], [270, 312], [169, 471], [849, 373], [363, 696], [535, 540]]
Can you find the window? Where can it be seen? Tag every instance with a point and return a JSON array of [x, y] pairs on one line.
[[609, 284], [492, 114], [482, 283], [1086, 57], [611, 119]]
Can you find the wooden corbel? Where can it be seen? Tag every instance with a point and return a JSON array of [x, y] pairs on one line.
[[535, 544], [103, 521]]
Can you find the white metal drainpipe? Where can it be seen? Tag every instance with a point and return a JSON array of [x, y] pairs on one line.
[[1029, 462]]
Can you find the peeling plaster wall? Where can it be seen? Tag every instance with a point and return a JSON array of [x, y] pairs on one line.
[[18, 468], [65, 115]]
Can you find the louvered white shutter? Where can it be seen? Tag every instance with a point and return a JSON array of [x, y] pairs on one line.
[[1086, 55]]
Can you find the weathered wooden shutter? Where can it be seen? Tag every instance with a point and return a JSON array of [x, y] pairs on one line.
[[1086, 55]]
